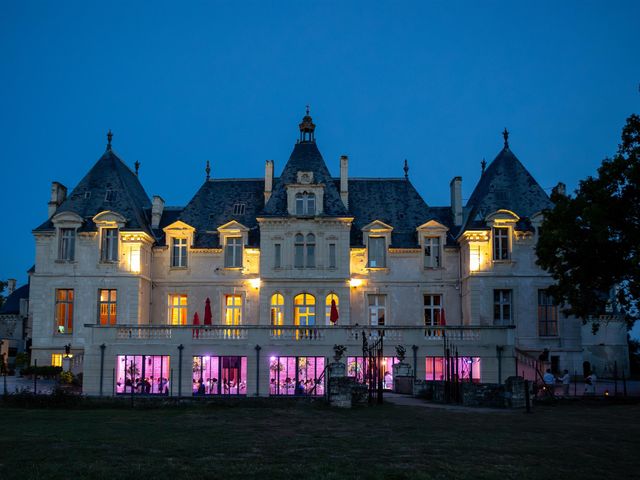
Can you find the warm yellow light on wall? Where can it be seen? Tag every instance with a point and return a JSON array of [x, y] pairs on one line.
[[134, 259], [255, 283], [355, 282], [474, 259]]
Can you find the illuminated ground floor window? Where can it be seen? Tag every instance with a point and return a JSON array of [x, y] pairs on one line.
[[219, 375], [467, 368], [357, 367], [296, 375], [56, 359], [143, 374]]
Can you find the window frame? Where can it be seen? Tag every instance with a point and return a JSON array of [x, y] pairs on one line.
[[433, 308], [109, 246], [110, 305], [65, 305], [429, 241], [67, 244], [377, 307], [180, 309], [305, 204], [232, 313], [179, 252], [501, 247], [233, 252], [309, 312], [500, 303], [383, 241], [277, 255], [547, 314]]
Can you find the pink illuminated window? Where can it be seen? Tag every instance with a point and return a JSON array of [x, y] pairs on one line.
[[219, 375], [296, 376], [143, 374], [467, 368], [357, 367]]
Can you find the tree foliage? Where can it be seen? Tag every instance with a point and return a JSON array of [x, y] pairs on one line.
[[589, 242]]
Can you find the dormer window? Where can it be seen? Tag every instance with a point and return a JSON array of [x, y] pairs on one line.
[[377, 252], [305, 203], [179, 252], [432, 252], [109, 245], [501, 243], [233, 252], [110, 196], [67, 245]]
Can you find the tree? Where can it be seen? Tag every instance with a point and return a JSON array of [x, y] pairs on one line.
[[590, 242], [3, 285]]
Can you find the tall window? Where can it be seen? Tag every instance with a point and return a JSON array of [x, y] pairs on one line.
[[109, 248], [64, 310], [177, 309], [432, 252], [377, 252], [233, 252], [277, 309], [502, 314], [277, 255], [305, 251], [332, 255], [377, 309], [107, 306], [501, 243], [547, 315], [56, 359], [179, 252], [331, 298], [67, 248], [432, 310], [233, 310], [304, 312], [305, 203]]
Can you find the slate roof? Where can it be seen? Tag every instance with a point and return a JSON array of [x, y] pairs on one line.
[[395, 202], [307, 158], [12, 303], [89, 196], [505, 184], [213, 206]]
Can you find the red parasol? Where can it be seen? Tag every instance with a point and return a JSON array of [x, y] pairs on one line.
[[207, 312], [196, 319], [333, 316]]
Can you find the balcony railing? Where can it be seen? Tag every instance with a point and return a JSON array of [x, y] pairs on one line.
[[325, 335]]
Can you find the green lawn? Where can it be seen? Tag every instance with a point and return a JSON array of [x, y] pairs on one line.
[[306, 441]]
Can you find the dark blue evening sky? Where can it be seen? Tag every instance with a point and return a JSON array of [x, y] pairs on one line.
[[429, 82]]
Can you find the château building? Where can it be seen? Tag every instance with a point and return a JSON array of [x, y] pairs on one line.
[[247, 288]]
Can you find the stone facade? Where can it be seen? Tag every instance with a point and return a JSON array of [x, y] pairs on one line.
[[304, 235]]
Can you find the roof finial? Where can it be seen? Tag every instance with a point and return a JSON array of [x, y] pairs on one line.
[[307, 109], [406, 169], [137, 167], [109, 137], [208, 170], [483, 165], [505, 134]]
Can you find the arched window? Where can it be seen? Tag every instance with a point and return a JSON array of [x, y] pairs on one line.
[[304, 251], [331, 298], [304, 311], [305, 203], [277, 309]]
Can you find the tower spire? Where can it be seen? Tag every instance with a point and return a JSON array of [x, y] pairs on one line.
[[406, 169], [109, 137], [137, 167], [505, 135]]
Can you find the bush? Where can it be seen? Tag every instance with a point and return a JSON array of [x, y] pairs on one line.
[[46, 371]]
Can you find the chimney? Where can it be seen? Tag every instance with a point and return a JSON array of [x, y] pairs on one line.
[[344, 180], [157, 207], [560, 189], [268, 180], [11, 285], [456, 200], [58, 195]]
